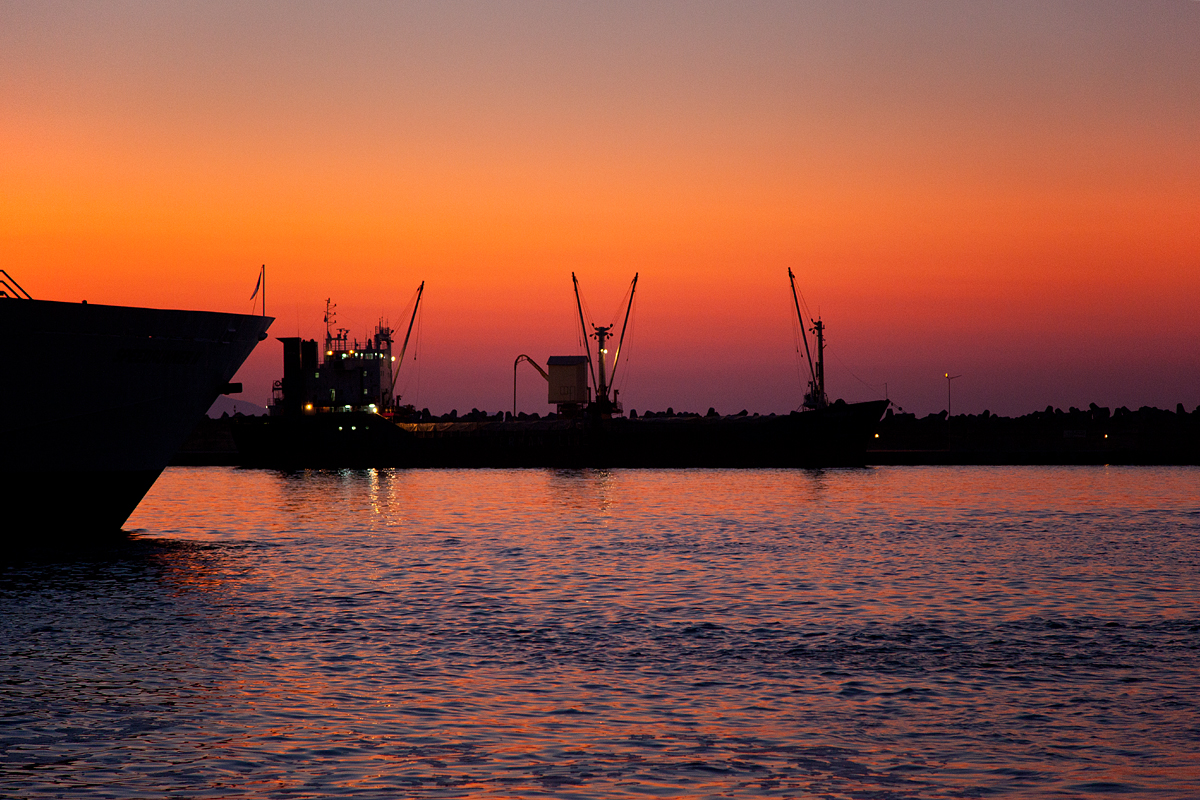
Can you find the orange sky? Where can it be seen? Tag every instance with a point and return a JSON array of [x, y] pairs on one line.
[[1010, 191]]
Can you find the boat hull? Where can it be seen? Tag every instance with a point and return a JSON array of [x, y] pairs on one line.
[[98, 398], [354, 440]]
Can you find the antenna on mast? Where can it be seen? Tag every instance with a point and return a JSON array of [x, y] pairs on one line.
[[330, 319]]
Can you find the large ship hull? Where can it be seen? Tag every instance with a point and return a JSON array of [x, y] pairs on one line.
[[97, 399], [354, 440], [833, 436]]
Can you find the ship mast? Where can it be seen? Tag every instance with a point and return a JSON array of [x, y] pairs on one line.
[[601, 333], [330, 319], [815, 397], [819, 390]]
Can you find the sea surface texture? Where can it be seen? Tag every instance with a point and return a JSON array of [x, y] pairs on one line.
[[880, 633]]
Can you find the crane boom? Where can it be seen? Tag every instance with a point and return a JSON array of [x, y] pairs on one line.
[[583, 327], [532, 363], [812, 370], [536, 366], [621, 341], [404, 347]]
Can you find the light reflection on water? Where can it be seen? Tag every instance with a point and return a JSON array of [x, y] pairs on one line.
[[885, 633]]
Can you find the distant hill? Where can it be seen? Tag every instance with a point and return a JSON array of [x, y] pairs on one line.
[[231, 405]]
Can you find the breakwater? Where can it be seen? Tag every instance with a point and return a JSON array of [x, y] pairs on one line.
[[1095, 435]]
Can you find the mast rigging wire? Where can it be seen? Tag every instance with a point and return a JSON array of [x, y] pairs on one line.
[[632, 314], [872, 386]]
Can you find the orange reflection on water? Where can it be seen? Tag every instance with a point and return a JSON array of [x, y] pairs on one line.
[[505, 633]]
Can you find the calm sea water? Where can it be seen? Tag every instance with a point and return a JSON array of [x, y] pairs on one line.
[[881, 633]]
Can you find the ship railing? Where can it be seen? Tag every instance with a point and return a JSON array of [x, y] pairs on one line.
[[10, 288]]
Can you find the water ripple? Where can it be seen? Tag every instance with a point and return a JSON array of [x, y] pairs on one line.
[[888, 633]]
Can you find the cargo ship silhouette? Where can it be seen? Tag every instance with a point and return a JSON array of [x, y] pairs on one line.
[[97, 399], [341, 411]]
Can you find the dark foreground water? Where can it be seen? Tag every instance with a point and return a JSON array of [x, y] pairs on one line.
[[884, 633]]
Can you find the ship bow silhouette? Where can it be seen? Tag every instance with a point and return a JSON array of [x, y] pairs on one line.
[[97, 399]]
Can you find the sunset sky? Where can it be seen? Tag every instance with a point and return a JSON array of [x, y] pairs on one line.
[[1009, 191]]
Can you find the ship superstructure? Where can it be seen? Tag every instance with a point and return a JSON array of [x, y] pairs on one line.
[[333, 411], [346, 375]]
